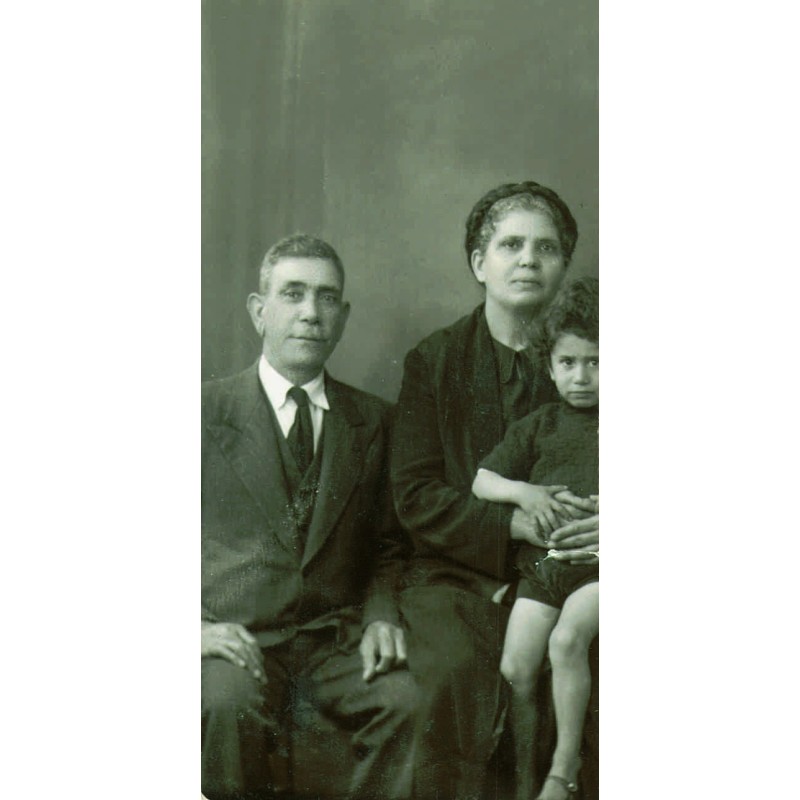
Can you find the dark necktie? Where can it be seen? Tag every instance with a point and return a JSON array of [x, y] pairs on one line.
[[301, 434]]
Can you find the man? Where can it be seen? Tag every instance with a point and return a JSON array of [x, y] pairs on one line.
[[301, 550]]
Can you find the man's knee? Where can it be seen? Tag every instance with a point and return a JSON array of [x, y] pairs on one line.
[[227, 689], [398, 694]]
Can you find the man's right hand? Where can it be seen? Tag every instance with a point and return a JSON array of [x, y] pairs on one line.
[[524, 528], [233, 642]]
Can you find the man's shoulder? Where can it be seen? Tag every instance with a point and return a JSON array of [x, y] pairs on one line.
[[349, 398], [221, 396]]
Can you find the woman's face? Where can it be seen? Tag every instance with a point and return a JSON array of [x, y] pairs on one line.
[[523, 265]]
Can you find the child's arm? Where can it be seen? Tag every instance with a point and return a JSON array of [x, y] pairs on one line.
[[537, 501]]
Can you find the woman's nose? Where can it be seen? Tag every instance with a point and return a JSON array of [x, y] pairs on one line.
[[527, 257]]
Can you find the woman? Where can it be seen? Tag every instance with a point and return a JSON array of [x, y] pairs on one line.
[[462, 387]]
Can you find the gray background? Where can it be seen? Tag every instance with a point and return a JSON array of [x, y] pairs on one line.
[[377, 126]]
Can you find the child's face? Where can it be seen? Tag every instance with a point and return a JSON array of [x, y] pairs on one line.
[[575, 368]]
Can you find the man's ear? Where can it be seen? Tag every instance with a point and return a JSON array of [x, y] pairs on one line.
[[476, 262], [255, 307], [345, 315]]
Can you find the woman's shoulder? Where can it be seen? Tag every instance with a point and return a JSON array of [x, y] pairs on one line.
[[452, 337]]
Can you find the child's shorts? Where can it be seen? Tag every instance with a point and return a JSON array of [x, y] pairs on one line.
[[549, 581]]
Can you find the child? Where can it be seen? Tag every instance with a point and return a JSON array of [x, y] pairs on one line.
[[541, 456]]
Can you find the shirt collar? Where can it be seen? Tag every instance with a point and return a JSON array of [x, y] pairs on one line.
[[276, 386]]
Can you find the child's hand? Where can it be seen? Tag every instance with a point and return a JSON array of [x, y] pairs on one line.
[[540, 503]]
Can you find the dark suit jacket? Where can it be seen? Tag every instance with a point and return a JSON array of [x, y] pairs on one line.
[[256, 570], [449, 417]]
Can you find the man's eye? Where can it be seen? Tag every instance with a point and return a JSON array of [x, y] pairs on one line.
[[330, 299], [292, 294], [595, 362]]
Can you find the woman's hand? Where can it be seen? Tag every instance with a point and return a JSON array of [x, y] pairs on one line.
[[577, 541], [578, 507]]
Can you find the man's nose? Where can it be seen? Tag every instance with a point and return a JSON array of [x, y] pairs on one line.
[[309, 310]]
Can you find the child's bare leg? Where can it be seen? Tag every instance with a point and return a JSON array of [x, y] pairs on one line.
[[572, 683], [524, 650]]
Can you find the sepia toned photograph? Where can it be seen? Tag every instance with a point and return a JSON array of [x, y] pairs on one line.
[[400, 365]]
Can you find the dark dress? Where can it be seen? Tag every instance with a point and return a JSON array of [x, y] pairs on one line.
[[555, 445], [450, 416]]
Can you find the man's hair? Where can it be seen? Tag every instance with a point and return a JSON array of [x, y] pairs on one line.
[[298, 245], [494, 205], [575, 309]]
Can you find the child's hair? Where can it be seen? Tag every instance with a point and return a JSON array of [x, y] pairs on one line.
[[575, 309]]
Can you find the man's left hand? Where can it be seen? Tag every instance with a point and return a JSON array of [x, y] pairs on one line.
[[382, 648]]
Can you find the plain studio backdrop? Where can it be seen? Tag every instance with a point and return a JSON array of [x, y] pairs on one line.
[[377, 126]]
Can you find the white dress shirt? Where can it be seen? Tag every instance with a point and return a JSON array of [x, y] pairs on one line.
[[276, 387]]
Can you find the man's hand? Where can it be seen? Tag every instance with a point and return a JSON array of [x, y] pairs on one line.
[[383, 646], [525, 529], [233, 642], [578, 541]]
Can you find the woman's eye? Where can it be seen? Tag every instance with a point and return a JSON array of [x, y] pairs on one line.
[[511, 244]]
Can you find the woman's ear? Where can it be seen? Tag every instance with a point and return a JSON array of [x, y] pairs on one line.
[[476, 262]]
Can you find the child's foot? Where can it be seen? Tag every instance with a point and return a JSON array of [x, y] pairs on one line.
[[556, 788]]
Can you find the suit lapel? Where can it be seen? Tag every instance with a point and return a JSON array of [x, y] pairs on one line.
[[342, 455], [247, 438]]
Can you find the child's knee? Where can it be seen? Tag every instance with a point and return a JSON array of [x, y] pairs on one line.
[[520, 674], [567, 643]]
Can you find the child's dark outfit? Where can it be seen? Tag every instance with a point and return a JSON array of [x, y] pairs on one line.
[[556, 445]]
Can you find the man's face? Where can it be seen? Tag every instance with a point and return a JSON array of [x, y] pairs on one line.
[[575, 368], [301, 316], [523, 264]]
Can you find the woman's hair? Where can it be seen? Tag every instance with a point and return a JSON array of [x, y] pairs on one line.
[[575, 309], [493, 206]]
